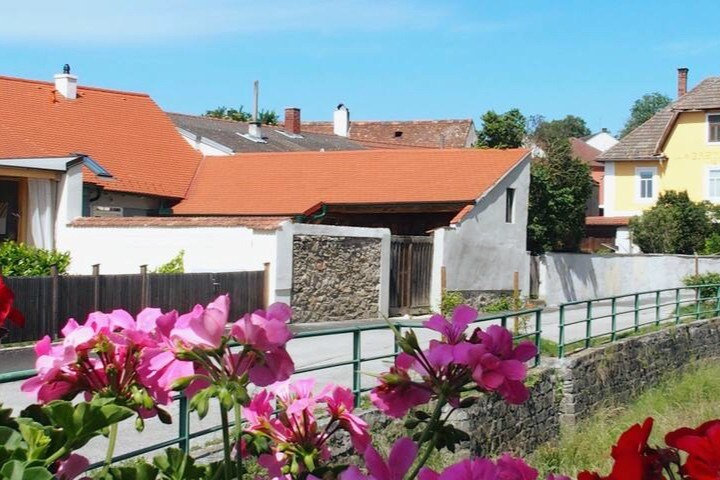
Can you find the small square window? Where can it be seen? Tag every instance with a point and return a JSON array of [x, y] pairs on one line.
[[714, 128], [510, 205]]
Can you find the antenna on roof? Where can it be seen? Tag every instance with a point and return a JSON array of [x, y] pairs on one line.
[[66, 69], [256, 88]]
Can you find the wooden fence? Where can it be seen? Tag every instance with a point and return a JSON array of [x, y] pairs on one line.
[[47, 302]]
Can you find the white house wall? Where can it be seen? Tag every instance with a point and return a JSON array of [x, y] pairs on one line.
[[482, 252], [207, 249]]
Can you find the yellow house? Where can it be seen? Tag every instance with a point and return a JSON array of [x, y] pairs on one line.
[[677, 149]]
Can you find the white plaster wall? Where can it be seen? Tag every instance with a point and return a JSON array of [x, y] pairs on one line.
[[566, 277], [212, 249], [483, 251], [282, 288]]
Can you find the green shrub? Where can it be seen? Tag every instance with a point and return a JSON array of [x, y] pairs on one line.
[[449, 301], [712, 245], [175, 265], [710, 278], [504, 304], [20, 260]]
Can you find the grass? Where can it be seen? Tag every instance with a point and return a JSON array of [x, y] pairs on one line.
[[681, 400]]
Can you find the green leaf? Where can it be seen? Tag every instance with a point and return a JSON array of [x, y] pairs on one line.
[[10, 439]]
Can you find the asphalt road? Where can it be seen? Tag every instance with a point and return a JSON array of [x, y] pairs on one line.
[[338, 348]]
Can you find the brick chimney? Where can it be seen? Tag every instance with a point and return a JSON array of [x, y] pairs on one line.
[[66, 84], [292, 120], [682, 82]]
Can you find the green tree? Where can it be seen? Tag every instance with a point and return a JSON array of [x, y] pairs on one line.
[[268, 117], [560, 186], [675, 224], [643, 109], [547, 132], [506, 130]]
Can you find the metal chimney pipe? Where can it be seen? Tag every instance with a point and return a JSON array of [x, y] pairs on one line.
[[256, 94]]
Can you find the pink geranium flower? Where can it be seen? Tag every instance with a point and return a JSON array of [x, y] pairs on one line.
[[453, 331], [340, 403], [401, 457], [203, 327], [397, 392], [72, 466], [505, 468]]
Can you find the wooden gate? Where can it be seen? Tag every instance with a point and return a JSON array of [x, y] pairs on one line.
[[410, 274]]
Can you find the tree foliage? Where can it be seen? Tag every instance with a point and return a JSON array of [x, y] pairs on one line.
[[560, 186], [675, 224], [266, 117], [505, 130], [546, 132], [643, 109]]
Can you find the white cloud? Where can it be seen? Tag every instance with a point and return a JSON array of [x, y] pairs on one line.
[[139, 21]]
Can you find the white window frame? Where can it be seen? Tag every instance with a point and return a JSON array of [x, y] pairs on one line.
[[707, 128], [708, 169], [638, 184]]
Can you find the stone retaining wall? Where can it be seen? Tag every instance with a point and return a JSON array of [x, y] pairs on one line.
[[576, 387], [619, 372], [335, 278]]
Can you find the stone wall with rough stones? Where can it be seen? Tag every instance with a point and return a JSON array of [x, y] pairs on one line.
[[482, 298], [495, 426], [619, 372], [335, 278]]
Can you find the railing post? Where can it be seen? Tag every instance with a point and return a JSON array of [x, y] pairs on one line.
[[657, 307], [677, 306], [538, 335], [588, 324], [96, 286], [613, 319], [637, 312], [357, 365], [561, 336], [717, 301], [698, 300], [184, 424]]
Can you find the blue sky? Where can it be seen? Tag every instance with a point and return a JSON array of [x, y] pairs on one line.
[[385, 59]]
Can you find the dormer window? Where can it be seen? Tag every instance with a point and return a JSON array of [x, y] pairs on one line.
[[713, 121]]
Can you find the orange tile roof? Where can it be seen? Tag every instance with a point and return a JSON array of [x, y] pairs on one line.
[[293, 183], [126, 133], [256, 223]]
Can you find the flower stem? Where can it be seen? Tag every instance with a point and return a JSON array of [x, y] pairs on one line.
[[111, 447], [226, 440], [238, 429], [428, 434]]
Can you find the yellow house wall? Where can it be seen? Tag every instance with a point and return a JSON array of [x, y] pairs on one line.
[[689, 155], [626, 185]]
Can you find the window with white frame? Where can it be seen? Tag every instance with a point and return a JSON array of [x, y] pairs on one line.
[[645, 178], [714, 183], [713, 121]]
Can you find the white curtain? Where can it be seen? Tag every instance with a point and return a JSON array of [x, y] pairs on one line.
[[41, 213]]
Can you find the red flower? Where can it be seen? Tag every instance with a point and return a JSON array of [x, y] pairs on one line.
[[702, 445], [634, 459], [7, 312]]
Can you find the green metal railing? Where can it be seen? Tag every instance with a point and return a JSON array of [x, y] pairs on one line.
[[528, 324], [632, 313]]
